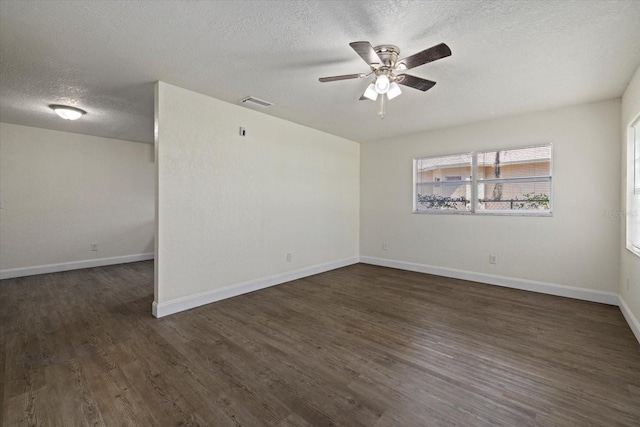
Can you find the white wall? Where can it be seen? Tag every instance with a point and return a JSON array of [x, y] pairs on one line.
[[62, 192], [630, 263], [577, 247], [230, 208]]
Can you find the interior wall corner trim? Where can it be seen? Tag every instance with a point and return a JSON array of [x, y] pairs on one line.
[[10, 273], [592, 295], [192, 301], [634, 324]]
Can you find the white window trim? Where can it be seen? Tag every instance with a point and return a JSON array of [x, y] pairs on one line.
[[474, 187], [630, 185], [440, 183]]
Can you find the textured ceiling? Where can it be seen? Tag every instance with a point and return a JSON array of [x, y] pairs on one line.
[[508, 57]]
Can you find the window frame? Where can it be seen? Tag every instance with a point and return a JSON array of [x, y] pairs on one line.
[[475, 181], [632, 146], [438, 182]]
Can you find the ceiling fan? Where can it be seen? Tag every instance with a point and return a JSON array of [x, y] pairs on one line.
[[384, 63]]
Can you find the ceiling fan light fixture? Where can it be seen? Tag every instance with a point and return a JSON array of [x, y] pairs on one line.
[[66, 112], [371, 93], [394, 90], [382, 84]]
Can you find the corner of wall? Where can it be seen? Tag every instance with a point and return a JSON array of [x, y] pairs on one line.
[[629, 283]]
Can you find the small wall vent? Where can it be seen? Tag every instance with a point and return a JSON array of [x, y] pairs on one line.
[[250, 100]]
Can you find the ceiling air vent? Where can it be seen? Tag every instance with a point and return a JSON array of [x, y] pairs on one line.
[[250, 100]]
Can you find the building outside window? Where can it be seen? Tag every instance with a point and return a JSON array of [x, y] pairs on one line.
[[510, 181]]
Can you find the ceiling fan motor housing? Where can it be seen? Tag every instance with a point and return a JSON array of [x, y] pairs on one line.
[[388, 55]]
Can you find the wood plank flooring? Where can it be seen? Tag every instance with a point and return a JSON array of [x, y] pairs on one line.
[[358, 346]]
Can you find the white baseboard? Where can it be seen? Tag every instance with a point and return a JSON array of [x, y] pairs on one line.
[[630, 318], [610, 298], [73, 265], [181, 304]]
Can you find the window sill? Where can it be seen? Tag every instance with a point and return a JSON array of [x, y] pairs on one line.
[[484, 213], [501, 213], [634, 250], [443, 212]]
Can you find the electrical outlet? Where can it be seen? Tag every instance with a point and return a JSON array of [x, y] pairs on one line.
[[493, 259], [94, 247], [289, 256], [385, 247]]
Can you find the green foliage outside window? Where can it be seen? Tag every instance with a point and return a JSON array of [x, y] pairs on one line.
[[534, 201], [531, 201], [433, 201]]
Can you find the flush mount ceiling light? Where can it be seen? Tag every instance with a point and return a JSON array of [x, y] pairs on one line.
[[384, 63], [66, 112]]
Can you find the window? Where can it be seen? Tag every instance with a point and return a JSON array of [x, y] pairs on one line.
[[633, 190], [436, 190], [513, 181]]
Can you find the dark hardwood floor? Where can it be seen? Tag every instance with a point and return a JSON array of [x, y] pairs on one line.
[[358, 346]]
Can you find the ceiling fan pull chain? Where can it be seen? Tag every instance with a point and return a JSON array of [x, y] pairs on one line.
[[381, 111]]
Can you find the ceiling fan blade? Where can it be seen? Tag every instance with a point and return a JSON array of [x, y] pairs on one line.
[[342, 77], [366, 52], [415, 82], [424, 57]]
